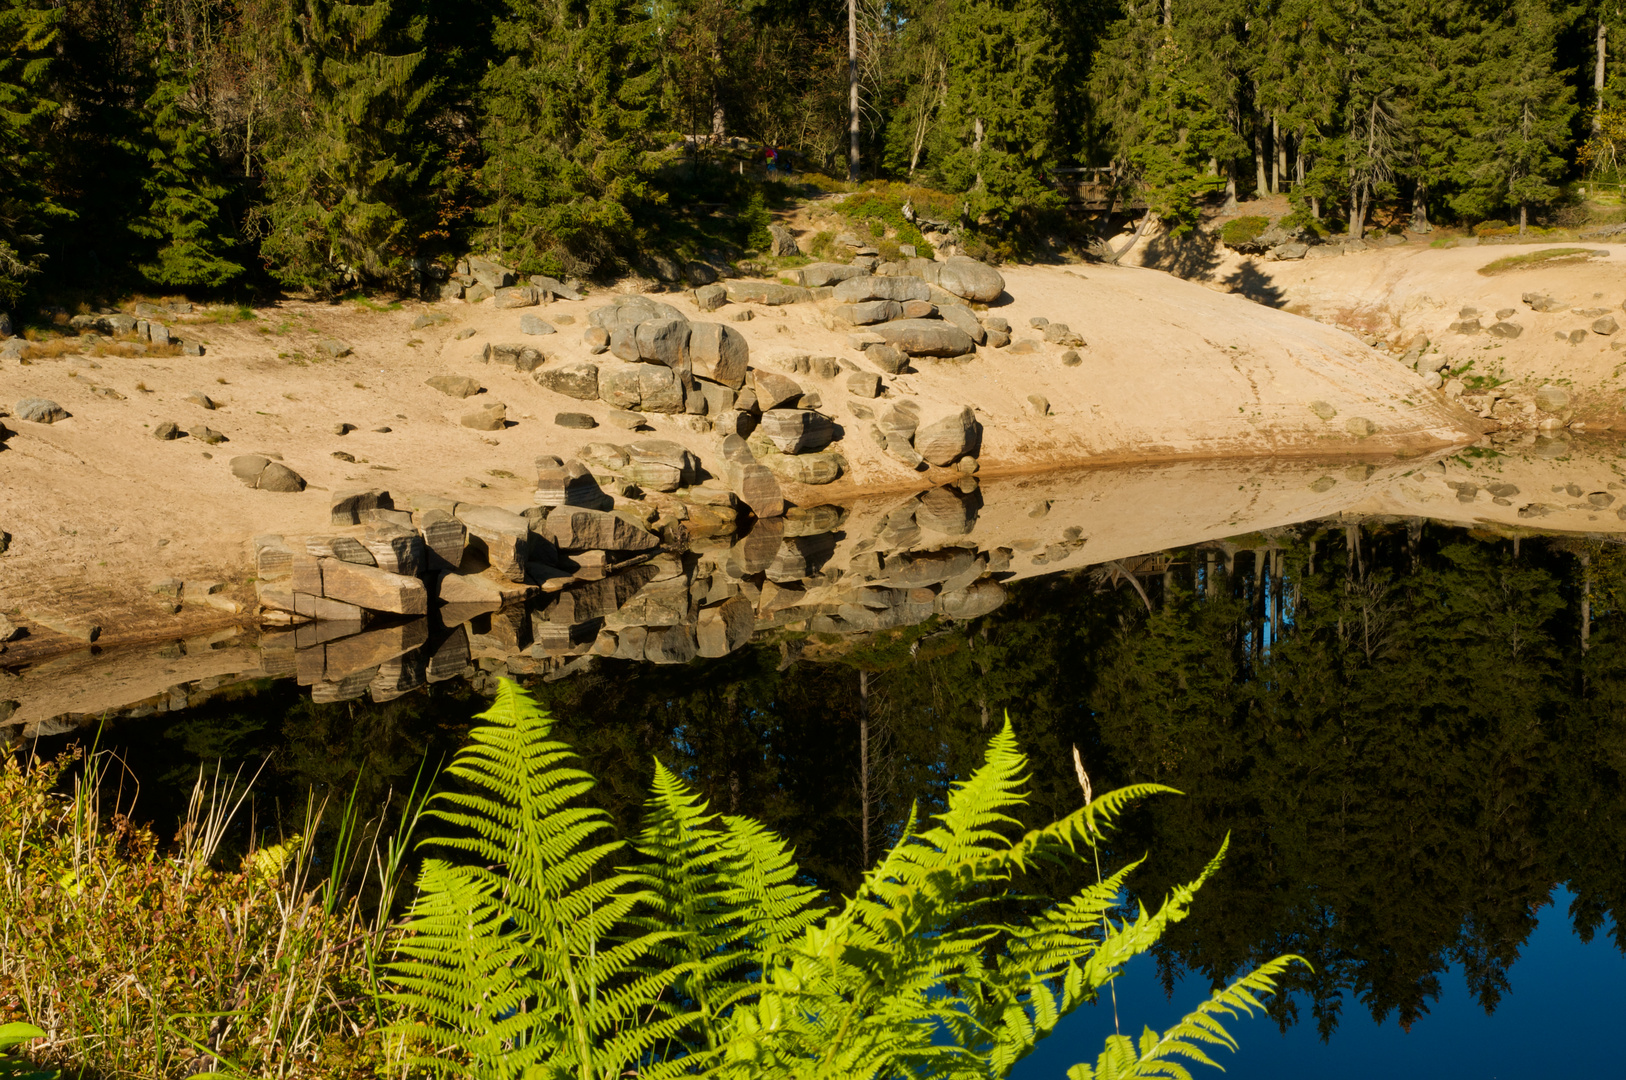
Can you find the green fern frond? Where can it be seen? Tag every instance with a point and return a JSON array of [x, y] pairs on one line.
[[459, 967], [1155, 1057]]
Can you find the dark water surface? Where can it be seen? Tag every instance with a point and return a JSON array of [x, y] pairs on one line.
[[1413, 734]]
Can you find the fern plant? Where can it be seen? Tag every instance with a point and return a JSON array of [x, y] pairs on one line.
[[544, 947]]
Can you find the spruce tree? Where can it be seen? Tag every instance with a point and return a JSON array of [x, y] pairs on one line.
[[1521, 124], [1178, 133], [347, 155], [999, 111], [568, 132], [185, 216], [28, 28]]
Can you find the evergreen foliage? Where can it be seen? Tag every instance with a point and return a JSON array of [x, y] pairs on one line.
[[567, 131], [320, 145], [187, 215], [28, 29], [705, 956], [342, 168], [997, 132]]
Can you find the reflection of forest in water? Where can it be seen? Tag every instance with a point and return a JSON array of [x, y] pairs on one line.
[[1412, 734]]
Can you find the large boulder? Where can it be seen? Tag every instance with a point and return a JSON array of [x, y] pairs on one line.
[[499, 536], [492, 417], [770, 293], [926, 337], [719, 353], [775, 390], [783, 243], [458, 386], [517, 297], [861, 289], [260, 472], [664, 341], [964, 318], [40, 410], [966, 277], [804, 468], [575, 529], [493, 275], [373, 589], [868, 312], [821, 274], [1552, 398], [684, 464], [754, 484], [519, 357], [641, 387], [631, 310], [945, 441], [710, 297], [796, 431], [578, 379]]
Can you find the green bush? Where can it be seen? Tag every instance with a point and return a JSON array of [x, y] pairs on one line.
[[539, 944], [1243, 230], [883, 203]]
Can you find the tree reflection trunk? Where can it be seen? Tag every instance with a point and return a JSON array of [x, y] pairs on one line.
[[863, 762], [1586, 602]]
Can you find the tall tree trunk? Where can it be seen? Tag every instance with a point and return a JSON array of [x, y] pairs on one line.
[[852, 101], [1168, 12], [1261, 181], [1597, 75], [1419, 208], [1524, 207], [976, 151], [1230, 186], [863, 761], [1279, 166], [719, 125], [1298, 162]]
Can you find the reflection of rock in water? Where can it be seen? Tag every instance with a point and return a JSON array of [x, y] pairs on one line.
[[677, 585], [591, 587]]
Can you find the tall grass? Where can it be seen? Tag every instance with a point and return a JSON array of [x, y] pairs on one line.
[[145, 959]]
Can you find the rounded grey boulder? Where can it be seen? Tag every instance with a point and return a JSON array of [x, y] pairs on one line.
[[973, 280], [40, 410]]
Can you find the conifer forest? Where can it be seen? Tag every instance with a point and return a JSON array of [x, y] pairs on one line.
[[315, 146]]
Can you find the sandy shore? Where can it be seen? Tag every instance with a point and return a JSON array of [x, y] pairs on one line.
[[97, 509]]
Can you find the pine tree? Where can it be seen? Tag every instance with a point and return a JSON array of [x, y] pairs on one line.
[[1522, 121], [185, 216], [568, 132], [28, 29], [999, 111], [344, 163]]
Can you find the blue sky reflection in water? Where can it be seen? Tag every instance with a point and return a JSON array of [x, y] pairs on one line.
[[1566, 997]]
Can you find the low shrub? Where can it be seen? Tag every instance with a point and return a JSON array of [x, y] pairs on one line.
[[1243, 230]]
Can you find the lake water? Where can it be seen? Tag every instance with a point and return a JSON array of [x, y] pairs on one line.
[[1412, 732]]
